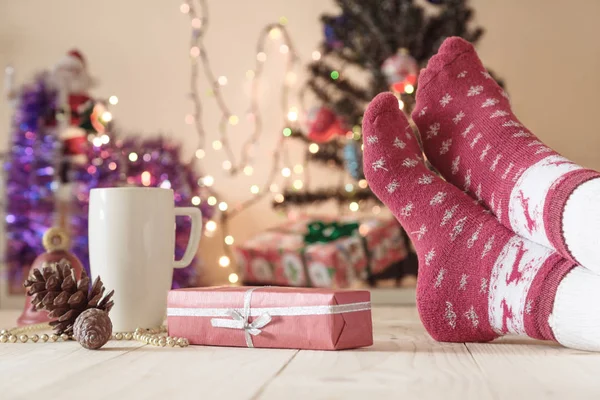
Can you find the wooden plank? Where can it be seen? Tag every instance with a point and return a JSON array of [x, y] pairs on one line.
[[195, 372], [393, 296], [133, 370], [404, 363], [522, 368], [29, 368]]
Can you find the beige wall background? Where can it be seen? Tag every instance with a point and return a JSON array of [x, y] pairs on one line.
[[546, 51]]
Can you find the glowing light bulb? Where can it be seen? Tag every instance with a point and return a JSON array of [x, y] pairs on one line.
[[275, 33], [409, 88], [165, 184], [217, 145], [195, 51], [313, 148], [292, 114], [222, 80], [287, 132], [353, 206], [196, 200], [184, 8], [298, 168], [376, 209], [147, 157], [211, 226], [316, 55], [112, 165], [248, 170], [284, 49], [250, 74], [97, 142], [189, 119], [113, 100], [200, 154], [254, 189], [286, 172], [400, 104], [274, 188], [196, 23], [262, 57], [334, 75], [133, 157], [363, 184], [234, 119], [105, 139], [233, 278], [146, 178], [298, 184], [229, 240], [226, 165], [223, 206], [279, 198], [106, 116], [208, 180], [212, 200], [364, 229], [349, 187], [224, 261]]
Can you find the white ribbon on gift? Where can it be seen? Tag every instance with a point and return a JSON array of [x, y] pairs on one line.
[[240, 320], [263, 316]]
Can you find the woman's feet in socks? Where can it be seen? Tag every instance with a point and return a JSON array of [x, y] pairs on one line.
[[472, 137], [477, 279]]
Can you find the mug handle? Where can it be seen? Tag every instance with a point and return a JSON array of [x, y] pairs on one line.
[[195, 234]]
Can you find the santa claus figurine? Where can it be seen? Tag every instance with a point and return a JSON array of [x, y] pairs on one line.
[[75, 108]]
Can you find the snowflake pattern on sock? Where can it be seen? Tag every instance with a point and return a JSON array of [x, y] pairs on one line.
[[445, 146], [433, 131], [372, 140], [455, 165], [446, 100], [463, 282], [399, 143], [475, 90], [458, 117]]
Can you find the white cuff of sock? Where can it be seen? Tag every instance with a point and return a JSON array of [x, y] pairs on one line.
[[575, 318]]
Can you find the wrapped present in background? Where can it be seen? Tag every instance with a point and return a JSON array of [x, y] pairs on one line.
[[322, 252], [272, 317]]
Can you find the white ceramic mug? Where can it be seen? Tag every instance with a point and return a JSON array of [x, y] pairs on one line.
[[132, 247]]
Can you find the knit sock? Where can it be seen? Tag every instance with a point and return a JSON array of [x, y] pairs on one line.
[[477, 279], [472, 137]]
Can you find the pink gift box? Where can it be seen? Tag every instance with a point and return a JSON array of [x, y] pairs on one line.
[[271, 317], [281, 257]]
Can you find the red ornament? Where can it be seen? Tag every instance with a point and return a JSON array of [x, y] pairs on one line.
[[324, 125], [400, 70]]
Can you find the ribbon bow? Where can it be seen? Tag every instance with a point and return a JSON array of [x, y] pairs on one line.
[[322, 232], [239, 320]]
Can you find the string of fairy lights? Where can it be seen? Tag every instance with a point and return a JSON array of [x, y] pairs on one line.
[[198, 12]]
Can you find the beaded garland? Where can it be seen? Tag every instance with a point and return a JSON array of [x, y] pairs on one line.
[[152, 337]]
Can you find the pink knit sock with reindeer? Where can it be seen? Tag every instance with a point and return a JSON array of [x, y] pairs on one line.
[[477, 279], [472, 137]]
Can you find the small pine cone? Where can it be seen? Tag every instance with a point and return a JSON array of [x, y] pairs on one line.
[[92, 328]]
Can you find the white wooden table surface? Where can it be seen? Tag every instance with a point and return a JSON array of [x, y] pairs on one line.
[[404, 363]]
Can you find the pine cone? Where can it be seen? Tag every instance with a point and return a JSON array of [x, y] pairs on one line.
[[56, 289], [92, 328]]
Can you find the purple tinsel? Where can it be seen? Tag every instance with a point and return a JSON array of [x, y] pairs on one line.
[[31, 183]]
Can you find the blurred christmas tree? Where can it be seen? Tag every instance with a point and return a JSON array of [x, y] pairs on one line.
[[372, 46], [62, 146]]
